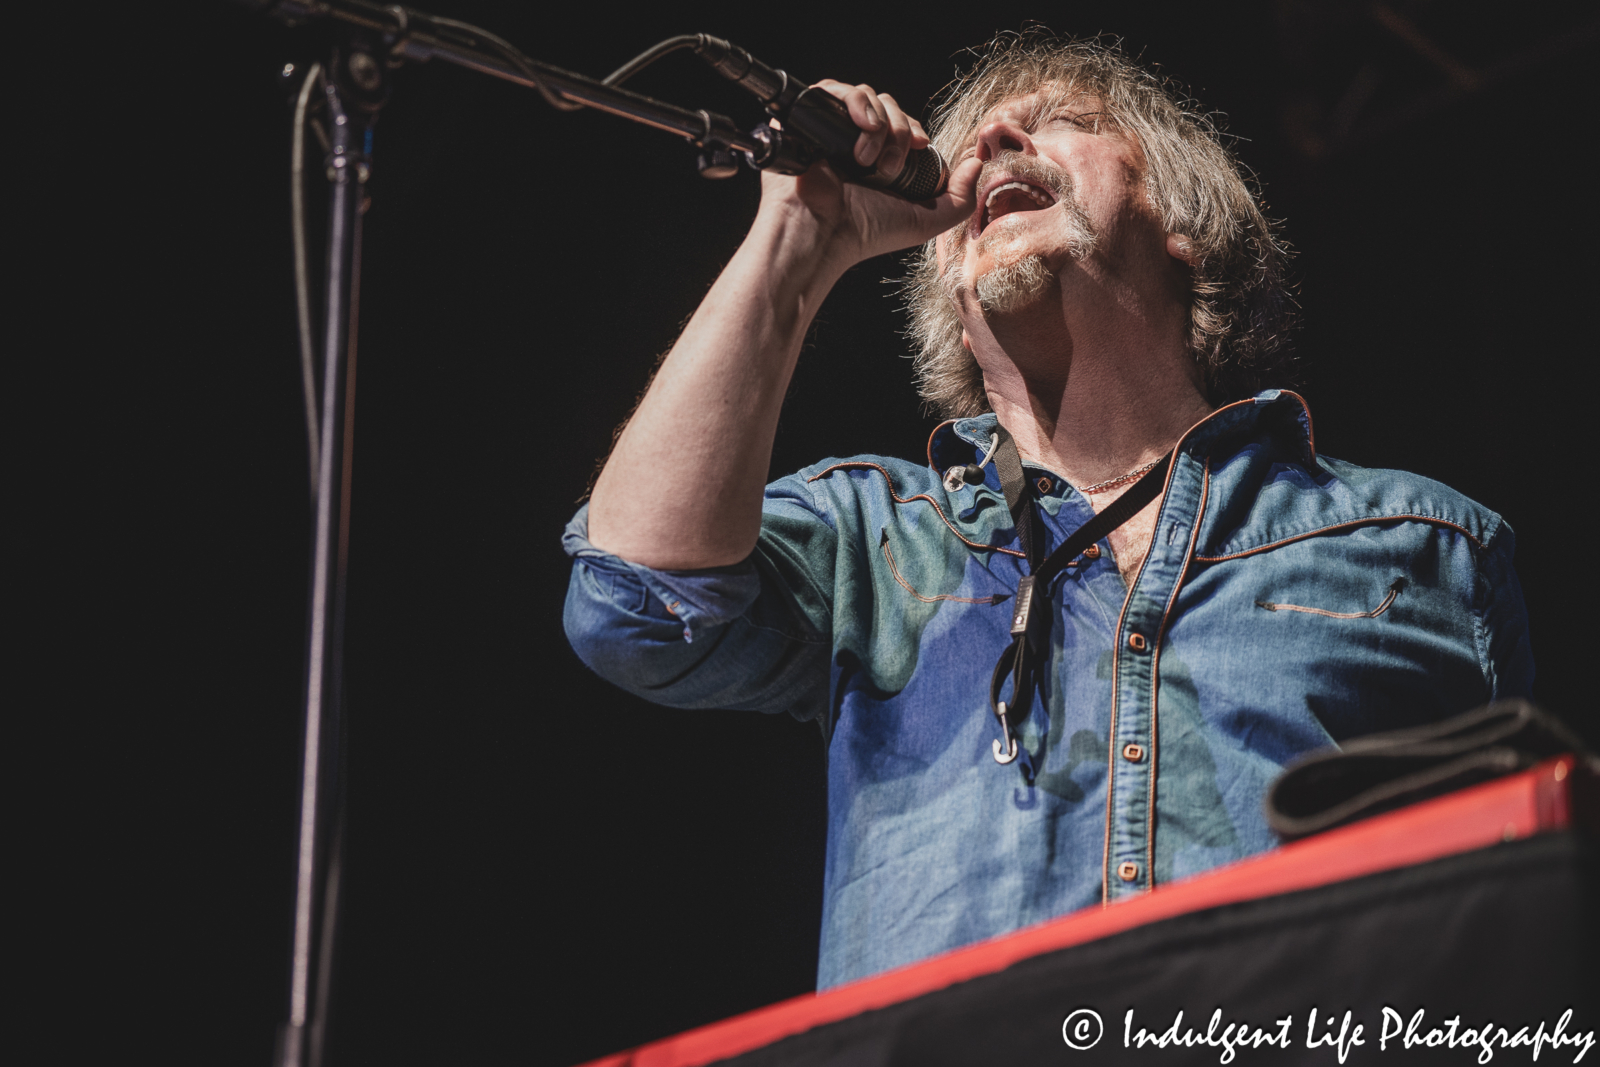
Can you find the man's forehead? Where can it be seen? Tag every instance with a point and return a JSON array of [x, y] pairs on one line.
[[1024, 103]]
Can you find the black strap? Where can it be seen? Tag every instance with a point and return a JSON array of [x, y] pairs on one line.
[[1029, 616], [1119, 511], [1008, 465]]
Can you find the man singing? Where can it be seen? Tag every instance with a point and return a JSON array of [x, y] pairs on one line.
[[1101, 310]]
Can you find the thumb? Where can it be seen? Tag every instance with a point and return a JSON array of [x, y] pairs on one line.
[[960, 197]]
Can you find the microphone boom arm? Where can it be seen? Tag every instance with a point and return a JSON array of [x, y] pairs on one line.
[[810, 117]]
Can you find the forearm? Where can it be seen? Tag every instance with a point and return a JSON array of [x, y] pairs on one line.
[[683, 487]]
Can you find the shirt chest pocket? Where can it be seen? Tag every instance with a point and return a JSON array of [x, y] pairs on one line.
[[1322, 602], [1379, 574]]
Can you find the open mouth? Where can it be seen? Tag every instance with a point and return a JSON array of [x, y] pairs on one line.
[[1010, 197]]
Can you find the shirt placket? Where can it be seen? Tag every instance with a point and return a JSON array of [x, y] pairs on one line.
[[1134, 751]]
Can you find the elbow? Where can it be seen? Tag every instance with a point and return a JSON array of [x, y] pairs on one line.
[[609, 625]]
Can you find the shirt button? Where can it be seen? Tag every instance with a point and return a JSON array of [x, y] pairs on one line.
[[1128, 871], [1092, 552], [1133, 753], [1137, 642], [1044, 485]]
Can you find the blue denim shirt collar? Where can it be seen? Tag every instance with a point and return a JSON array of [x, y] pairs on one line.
[[961, 441]]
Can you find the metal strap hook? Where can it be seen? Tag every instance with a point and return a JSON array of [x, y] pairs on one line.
[[1007, 753]]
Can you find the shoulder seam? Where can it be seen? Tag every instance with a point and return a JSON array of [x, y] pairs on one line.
[[858, 464], [1371, 521]]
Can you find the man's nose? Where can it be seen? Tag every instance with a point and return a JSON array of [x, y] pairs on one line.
[[1003, 136]]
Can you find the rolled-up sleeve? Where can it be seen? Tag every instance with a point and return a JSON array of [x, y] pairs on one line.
[[754, 636]]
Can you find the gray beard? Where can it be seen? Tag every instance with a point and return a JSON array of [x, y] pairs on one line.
[[1014, 287], [1021, 284]]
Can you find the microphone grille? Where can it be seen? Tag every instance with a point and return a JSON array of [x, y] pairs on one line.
[[923, 177]]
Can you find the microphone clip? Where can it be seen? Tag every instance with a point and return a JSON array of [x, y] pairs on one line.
[[786, 155]]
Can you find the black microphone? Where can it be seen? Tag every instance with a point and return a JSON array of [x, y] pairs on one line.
[[821, 122]]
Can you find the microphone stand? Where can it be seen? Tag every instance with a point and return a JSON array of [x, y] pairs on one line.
[[354, 87], [370, 39]]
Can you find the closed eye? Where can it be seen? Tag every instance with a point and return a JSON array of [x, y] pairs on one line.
[[1087, 120]]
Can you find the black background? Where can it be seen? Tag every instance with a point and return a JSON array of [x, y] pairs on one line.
[[542, 869]]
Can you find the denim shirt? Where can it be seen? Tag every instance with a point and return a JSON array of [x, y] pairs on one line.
[[1288, 602]]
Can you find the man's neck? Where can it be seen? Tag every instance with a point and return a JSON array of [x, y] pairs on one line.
[[1092, 402]]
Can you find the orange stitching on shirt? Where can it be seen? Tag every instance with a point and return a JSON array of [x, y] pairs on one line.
[[1311, 433], [888, 554], [1394, 591], [1374, 520], [1111, 758], [1116, 659], [1155, 675], [858, 464], [935, 433]]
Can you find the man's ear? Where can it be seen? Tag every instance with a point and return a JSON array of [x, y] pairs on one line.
[[966, 341], [1181, 248]]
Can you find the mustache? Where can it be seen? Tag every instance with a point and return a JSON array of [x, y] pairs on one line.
[[1019, 165], [1028, 168]]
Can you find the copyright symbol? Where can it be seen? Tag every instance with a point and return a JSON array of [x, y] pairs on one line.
[[1082, 1029]]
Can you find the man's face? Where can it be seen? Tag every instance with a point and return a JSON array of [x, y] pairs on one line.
[[1057, 186]]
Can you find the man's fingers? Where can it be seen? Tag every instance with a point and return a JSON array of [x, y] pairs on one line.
[[867, 112], [899, 139], [919, 136]]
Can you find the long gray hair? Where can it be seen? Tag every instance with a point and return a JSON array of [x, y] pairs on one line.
[[1240, 310]]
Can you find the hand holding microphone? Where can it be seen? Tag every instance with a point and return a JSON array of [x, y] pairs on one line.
[[869, 140], [863, 135], [877, 152]]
